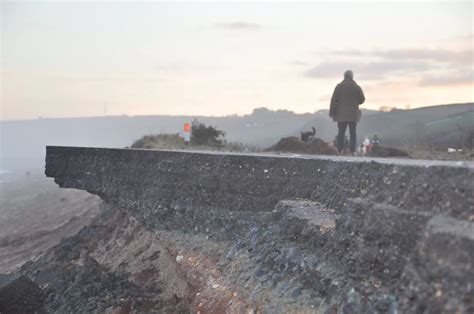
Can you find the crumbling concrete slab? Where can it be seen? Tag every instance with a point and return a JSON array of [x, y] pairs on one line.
[[352, 234]]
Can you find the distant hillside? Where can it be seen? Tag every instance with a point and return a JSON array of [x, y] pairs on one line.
[[435, 127], [23, 142]]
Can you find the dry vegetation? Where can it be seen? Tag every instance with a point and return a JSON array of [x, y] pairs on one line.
[[203, 137]]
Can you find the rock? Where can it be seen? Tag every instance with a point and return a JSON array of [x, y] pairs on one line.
[[296, 293], [21, 295]]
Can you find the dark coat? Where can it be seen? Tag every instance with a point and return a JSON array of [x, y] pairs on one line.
[[345, 101]]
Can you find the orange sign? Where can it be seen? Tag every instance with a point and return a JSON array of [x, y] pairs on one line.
[[187, 127]]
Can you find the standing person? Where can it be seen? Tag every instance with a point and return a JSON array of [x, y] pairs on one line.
[[344, 109]]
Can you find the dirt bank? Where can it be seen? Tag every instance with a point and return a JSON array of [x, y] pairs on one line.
[[294, 145], [115, 265]]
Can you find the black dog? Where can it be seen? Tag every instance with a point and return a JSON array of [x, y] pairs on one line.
[[306, 135]]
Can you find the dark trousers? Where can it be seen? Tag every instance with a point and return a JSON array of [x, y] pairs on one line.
[[342, 131]]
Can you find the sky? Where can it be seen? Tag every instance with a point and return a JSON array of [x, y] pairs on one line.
[[95, 58]]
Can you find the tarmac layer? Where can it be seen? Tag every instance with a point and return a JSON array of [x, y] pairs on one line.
[[294, 232]]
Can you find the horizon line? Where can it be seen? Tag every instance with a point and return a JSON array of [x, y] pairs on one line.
[[219, 116]]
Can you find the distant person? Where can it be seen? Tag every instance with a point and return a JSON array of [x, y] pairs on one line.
[[375, 140], [344, 109], [366, 144]]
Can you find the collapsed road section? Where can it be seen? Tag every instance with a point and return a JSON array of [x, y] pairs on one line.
[[271, 233]]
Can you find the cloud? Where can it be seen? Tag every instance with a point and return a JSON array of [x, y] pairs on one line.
[[465, 39], [298, 63], [325, 98], [348, 53], [239, 25], [436, 55], [368, 71], [380, 64], [454, 79], [166, 68]]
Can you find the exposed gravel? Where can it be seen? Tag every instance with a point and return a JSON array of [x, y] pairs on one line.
[[282, 234]]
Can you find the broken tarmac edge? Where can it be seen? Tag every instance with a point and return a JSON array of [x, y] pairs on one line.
[[394, 225]]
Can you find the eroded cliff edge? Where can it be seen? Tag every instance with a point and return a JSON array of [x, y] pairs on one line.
[[290, 233]]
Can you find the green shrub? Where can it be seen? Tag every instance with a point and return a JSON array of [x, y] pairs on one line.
[[202, 135]]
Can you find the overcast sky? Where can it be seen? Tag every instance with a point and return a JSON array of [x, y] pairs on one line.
[[68, 59]]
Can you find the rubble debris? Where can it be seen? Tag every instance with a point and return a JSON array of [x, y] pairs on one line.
[[21, 295], [382, 151], [293, 144]]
